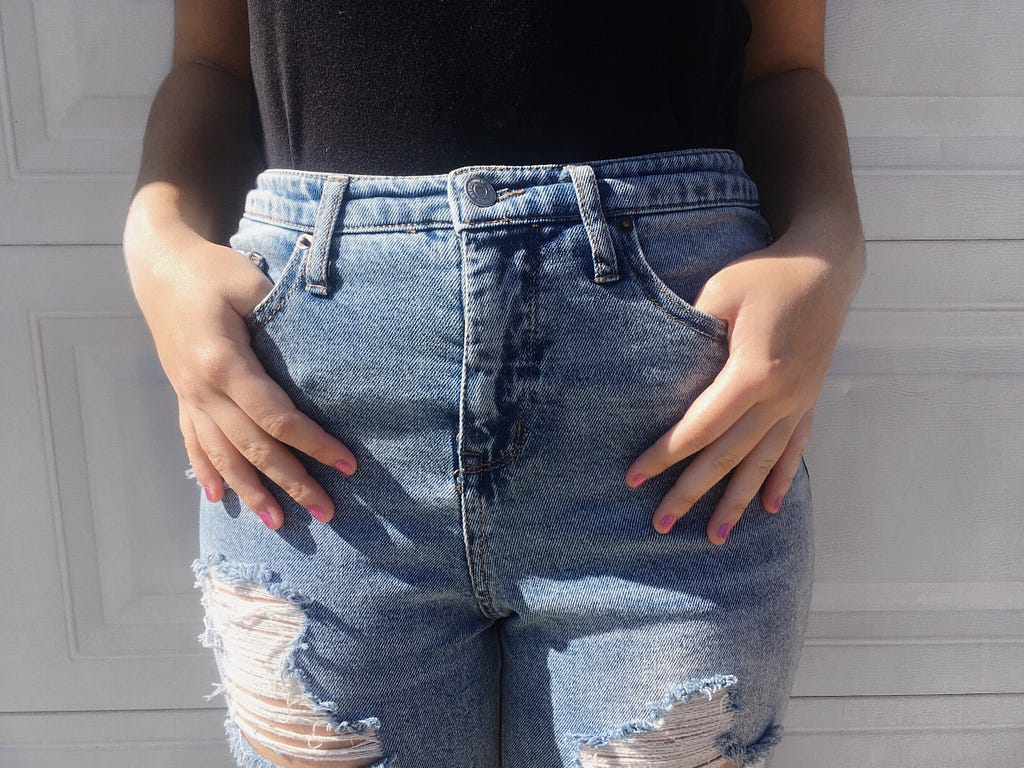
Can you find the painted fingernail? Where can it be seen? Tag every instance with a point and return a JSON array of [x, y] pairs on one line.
[[344, 467], [266, 518], [778, 503], [723, 531], [209, 493], [666, 522], [317, 512], [635, 480]]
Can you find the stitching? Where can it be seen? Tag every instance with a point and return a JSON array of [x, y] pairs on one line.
[[526, 403], [400, 226], [711, 153], [298, 270], [639, 280], [507, 193], [483, 556], [254, 216], [277, 308], [635, 211], [746, 202]]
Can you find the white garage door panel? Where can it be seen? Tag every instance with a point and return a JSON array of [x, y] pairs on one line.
[[916, 47], [163, 739], [882, 731], [915, 647], [106, 528]]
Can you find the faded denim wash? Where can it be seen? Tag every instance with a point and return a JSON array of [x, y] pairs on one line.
[[496, 345]]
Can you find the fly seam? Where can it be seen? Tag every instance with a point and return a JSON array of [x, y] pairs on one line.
[[482, 549], [526, 402]]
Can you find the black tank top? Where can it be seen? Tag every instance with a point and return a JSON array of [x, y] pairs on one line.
[[425, 86]]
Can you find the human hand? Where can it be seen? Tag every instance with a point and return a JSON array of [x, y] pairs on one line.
[[785, 308], [233, 416]]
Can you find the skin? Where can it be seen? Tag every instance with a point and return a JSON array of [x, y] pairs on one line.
[[785, 304], [199, 159]]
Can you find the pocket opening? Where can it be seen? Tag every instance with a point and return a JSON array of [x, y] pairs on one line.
[[671, 255], [287, 282], [659, 293]]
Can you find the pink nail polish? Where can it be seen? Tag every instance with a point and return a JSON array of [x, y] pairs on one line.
[[666, 522], [266, 518], [209, 493], [778, 503], [636, 480], [344, 467], [316, 511], [723, 531]]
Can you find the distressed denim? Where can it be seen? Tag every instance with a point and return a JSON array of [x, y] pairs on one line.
[[496, 345]]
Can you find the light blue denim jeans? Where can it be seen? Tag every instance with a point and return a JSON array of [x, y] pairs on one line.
[[496, 345]]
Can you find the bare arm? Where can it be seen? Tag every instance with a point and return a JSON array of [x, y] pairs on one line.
[[200, 156], [792, 135], [786, 303], [199, 152]]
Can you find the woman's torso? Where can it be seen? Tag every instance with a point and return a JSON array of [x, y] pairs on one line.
[[425, 86]]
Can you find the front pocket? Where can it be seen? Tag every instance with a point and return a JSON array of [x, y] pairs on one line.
[[281, 255], [672, 254]]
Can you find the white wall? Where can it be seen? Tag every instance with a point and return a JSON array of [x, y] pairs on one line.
[[915, 652]]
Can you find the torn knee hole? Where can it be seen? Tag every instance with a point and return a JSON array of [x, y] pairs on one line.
[[690, 728], [254, 634]]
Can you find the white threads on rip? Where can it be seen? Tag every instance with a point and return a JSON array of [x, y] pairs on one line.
[[251, 634], [683, 737]]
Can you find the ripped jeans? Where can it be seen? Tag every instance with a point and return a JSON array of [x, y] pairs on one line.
[[496, 345]]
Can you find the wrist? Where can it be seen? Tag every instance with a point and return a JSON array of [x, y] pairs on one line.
[[836, 241]]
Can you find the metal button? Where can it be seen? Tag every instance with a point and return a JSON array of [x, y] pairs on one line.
[[625, 223], [481, 191]]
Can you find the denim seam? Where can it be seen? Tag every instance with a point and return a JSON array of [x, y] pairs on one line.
[[747, 202], [482, 549], [525, 404], [266, 218], [718, 202], [655, 157], [271, 312], [639, 280]]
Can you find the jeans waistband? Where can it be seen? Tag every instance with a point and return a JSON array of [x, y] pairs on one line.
[[480, 196]]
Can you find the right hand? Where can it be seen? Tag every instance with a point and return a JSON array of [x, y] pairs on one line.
[[232, 415]]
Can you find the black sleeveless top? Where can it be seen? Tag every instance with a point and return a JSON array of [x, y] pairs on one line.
[[425, 86]]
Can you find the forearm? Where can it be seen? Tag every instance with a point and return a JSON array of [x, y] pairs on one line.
[[792, 137], [199, 157]]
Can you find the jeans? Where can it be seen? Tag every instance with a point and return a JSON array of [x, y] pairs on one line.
[[496, 345]]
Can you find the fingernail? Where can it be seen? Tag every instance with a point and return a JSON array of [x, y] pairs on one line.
[[344, 467], [267, 519], [778, 503], [208, 492], [666, 522], [635, 480], [723, 531], [317, 512]]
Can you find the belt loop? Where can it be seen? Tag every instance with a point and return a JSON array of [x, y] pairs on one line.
[[331, 197], [589, 198]]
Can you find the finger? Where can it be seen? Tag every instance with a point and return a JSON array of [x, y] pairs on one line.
[[264, 401], [781, 477], [238, 472], [746, 480], [711, 465], [272, 458], [205, 472], [714, 411]]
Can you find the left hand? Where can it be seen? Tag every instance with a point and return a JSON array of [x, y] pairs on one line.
[[785, 308]]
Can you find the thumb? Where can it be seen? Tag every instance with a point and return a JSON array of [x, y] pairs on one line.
[[714, 299]]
